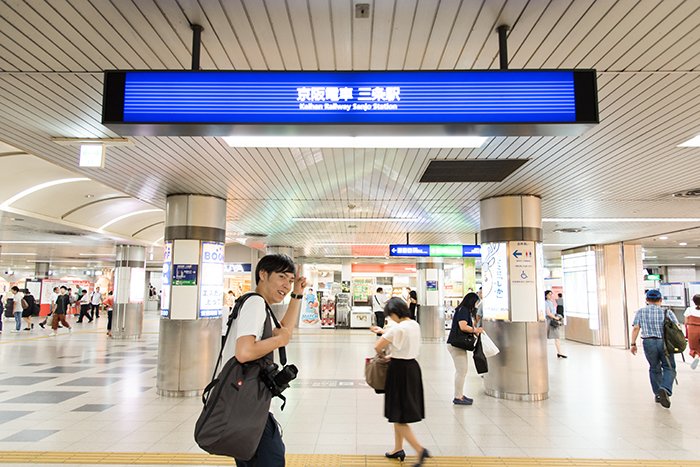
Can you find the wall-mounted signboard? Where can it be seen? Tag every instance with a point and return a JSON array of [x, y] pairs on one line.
[[495, 284], [166, 281], [441, 251], [185, 274], [344, 103], [211, 287]]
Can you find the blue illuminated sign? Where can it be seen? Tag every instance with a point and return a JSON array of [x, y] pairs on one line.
[[453, 251], [208, 98], [349, 97]]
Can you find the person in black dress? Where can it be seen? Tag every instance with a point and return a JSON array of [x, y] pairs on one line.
[[413, 304], [403, 397]]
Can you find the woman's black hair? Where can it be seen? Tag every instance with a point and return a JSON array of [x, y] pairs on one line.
[[274, 263], [413, 294], [547, 292], [469, 303], [396, 306], [696, 300]]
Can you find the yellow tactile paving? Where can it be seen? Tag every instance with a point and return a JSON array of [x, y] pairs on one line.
[[313, 460]]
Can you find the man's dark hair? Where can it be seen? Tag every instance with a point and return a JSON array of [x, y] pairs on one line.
[[64, 287], [274, 263], [559, 295], [380, 290], [396, 306], [15, 288]]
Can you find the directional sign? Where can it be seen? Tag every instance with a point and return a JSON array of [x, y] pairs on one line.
[[440, 251], [517, 254]]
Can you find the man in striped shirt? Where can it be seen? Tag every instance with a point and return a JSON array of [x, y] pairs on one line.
[[662, 366]]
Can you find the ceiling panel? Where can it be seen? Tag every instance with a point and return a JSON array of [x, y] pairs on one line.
[[646, 53]]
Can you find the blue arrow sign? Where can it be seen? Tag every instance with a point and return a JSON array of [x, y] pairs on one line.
[[517, 254]]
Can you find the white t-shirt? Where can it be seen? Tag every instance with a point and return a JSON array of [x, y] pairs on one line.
[[96, 298], [378, 302], [17, 304], [692, 311], [250, 322], [404, 337]]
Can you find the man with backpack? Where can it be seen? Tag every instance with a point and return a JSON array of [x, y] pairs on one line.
[[649, 320], [275, 277]]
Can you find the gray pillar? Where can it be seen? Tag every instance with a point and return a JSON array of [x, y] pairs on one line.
[[41, 270], [129, 291], [431, 298], [511, 239], [193, 288]]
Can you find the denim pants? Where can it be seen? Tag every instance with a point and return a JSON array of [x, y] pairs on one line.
[[18, 320], [661, 374], [270, 452]]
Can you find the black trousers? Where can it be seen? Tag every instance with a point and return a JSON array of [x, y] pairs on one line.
[[95, 310], [109, 319], [379, 316], [270, 452], [84, 311]]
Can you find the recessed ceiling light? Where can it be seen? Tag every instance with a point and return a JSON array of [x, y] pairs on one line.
[[31, 242], [18, 254], [692, 257], [355, 141], [92, 155], [663, 237], [89, 196], [650, 257], [691, 143], [356, 219], [683, 244], [621, 219]]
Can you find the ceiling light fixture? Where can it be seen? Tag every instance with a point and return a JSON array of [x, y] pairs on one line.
[[267, 141], [356, 219], [621, 219], [125, 216], [18, 254], [663, 237], [8, 202], [31, 242], [97, 254], [92, 155], [691, 257], [683, 244], [650, 257], [351, 244], [691, 143]]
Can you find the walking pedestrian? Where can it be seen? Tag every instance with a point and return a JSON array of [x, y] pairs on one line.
[[109, 305], [16, 296], [30, 310], [403, 396], [95, 303], [84, 307], [62, 305], [692, 326], [649, 320], [554, 322]]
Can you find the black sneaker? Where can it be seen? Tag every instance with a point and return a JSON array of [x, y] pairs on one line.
[[664, 399], [42, 325]]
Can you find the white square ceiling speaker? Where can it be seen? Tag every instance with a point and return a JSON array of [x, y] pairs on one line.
[[92, 155]]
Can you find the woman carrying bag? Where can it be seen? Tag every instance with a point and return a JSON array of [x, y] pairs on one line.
[[403, 398], [462, 327]]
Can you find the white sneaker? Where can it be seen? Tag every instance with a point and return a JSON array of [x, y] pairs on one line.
[[695, 363], [15, 331], [53, 334]]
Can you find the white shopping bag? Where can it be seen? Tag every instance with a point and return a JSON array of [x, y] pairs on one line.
[[488, 346]]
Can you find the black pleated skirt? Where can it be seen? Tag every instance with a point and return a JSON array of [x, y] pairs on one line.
[[403, 398]]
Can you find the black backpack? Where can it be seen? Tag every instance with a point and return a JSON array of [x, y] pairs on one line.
[[237, 401], [674, 339]]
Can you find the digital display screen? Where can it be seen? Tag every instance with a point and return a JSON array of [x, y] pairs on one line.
[[445, 251], [358, 97]]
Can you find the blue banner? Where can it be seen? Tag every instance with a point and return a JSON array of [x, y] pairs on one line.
[[452, 251], [388, 97]]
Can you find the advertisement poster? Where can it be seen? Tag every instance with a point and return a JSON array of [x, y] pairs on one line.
[[523, 281], [211, 290], [185, 274], [327, 312], [673, 293], [165, 289], [431, 286], [494, 267], [309, 316]]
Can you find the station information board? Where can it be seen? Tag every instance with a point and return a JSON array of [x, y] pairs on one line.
[[440, 251], [211, 103]]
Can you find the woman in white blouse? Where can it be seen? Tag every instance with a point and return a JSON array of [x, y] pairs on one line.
[[403, 397]]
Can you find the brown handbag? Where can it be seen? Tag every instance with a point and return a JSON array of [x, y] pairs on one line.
[[375, 371]]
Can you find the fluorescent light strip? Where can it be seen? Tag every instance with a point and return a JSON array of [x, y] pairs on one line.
[[356, 219], [686, 257], [351, 244], [31, 242], [125, 216], [691, 143], [17, 254], [38, 187], [354, 256], [97, 254], [74, 261], [355, 141], [621, 219]]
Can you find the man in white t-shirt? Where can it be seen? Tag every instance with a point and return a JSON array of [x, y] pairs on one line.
[[95, 302], [378, 302], [275, 276]]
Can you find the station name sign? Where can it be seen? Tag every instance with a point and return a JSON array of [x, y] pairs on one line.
[[222, 103], [444, 251]]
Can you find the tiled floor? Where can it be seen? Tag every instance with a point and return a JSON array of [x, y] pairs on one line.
[[83, 392]]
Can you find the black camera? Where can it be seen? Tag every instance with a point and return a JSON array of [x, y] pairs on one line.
[[278, 380]]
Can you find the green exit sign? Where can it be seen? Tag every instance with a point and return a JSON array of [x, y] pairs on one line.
[[653, 277]]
